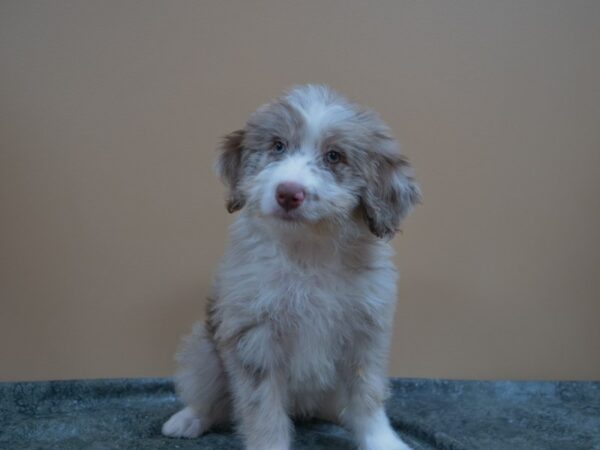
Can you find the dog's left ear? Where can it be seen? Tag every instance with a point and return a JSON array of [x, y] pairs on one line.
[[229, 168], [390, 194]]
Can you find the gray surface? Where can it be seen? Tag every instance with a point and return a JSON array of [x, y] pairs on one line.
[[429, 414]]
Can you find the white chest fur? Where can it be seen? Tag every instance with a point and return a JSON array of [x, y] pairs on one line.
[[304, 301]]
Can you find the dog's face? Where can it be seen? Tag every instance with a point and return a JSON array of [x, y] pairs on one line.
[[311, 157]]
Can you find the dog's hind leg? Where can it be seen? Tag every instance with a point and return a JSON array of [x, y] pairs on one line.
[[202, 385]]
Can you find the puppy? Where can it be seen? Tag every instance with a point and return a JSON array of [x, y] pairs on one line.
[[299, 322]]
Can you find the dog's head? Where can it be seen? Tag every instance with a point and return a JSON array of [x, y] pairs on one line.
[[311, 157]]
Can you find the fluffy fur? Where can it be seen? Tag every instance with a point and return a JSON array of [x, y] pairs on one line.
[[300, 319]]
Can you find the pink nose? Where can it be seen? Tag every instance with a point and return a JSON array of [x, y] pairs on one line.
[[289, 195]]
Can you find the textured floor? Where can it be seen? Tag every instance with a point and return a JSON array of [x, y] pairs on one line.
[[429, 414]]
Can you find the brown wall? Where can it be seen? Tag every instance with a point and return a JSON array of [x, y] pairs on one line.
[[112, 220]]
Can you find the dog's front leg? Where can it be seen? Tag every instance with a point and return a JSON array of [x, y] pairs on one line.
[[259, 393], [363, 411]]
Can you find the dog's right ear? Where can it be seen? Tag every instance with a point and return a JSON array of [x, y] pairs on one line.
[[229, 168]]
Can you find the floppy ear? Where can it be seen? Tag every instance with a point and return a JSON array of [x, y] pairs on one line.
[[390, 194], [229, 168]]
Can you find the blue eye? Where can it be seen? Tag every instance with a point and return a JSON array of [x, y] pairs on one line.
[[333, 157], [278, 147]]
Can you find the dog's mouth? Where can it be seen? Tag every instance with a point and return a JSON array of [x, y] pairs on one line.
[[293, 216]]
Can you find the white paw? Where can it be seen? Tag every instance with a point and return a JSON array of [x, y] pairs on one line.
[[184, 424], [387, 440]]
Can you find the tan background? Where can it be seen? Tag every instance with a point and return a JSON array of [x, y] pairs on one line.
[[112, 221]]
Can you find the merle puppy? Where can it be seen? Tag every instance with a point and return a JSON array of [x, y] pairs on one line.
[[300, 319]]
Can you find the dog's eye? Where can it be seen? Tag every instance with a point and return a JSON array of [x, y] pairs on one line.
[[278, 147], [333, 157]]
